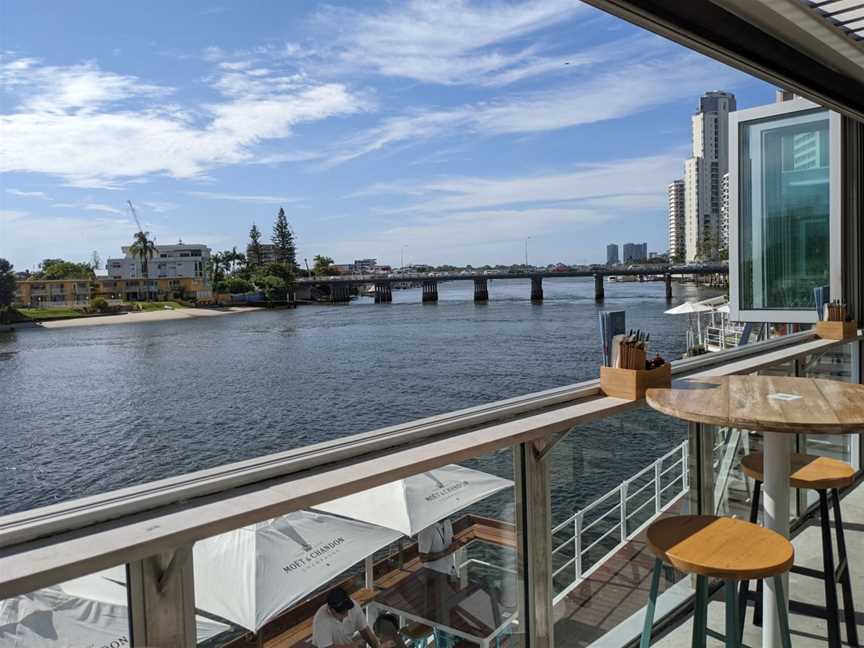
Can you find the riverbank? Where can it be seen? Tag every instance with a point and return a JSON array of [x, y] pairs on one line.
[[148, 316]]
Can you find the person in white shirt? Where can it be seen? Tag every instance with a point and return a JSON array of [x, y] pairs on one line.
[[436, 547], [337, 621]]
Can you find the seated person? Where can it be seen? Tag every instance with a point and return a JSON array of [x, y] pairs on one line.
[[387, 630], [337, 621], [436, 547]]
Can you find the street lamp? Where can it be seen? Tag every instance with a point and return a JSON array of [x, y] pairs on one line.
[[402, 257], [527, 238]]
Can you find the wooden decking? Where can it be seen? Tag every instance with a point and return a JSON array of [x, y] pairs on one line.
[[610, 595]]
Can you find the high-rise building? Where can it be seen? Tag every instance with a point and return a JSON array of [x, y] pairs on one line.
[[703, 174], [635, 252], [724, 212], [675, 194], [612, 254]]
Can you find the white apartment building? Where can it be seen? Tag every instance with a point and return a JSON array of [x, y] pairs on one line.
[[675, 195], [724, 212], [703, 174], [181, 261]]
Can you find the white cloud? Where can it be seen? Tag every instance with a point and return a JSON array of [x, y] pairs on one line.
[[29, 194], [160, 206], [263, 200], [91, 207], [86, 131], [55, 89], [440, 41], [625, 90]]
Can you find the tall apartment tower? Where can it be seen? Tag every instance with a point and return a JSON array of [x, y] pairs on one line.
[[703, 175], [724, 212], [675, 194], [612, 254]]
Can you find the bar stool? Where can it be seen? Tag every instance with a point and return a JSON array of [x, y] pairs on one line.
[[821, 474], [717, 547]]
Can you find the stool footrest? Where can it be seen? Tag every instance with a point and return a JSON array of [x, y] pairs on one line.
[[808, 571]]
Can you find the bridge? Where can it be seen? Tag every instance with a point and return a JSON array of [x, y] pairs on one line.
[[340, 285]]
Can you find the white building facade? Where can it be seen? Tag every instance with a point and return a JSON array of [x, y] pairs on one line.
[[703, 174], [181, 261], [675, 196]]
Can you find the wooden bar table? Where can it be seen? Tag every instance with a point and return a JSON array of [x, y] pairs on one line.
[[779, 407]]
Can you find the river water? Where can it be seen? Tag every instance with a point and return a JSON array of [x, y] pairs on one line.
[[86, 410]]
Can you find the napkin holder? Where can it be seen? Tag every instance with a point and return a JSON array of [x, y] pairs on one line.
[[631, 384]]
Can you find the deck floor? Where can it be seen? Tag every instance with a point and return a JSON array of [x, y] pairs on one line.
[[609, 596]]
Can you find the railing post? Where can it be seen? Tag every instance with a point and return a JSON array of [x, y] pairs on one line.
[[658, 496], [162, 599], [578, 544], [685, 466], [534, 544], [623, 492]]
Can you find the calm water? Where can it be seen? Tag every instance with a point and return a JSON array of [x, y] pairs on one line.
[[86, 410]]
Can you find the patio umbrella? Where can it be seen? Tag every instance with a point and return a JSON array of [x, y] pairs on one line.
[[250, 575], [412, 504], [689, 309], [87, 611]]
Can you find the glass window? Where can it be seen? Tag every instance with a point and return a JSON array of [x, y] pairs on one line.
[[784, 211]]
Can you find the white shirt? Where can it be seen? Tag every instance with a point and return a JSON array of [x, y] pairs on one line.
[[434, 539], [327, 630]]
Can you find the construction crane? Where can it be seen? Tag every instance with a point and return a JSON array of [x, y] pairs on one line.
[[135, 215]]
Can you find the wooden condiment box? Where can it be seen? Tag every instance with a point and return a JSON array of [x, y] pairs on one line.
[[631, 384], [836, 330]]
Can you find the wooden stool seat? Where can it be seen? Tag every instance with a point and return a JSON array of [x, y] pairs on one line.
[[808, 471], [720, 547]]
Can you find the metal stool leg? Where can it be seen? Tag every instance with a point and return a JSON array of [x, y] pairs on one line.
[[831, 607], [645, 641], [700, 614], [744, 591], [782, 616], [845, 576], [732, 625]]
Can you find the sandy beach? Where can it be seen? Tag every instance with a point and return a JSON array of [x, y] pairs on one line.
[[148, 316]]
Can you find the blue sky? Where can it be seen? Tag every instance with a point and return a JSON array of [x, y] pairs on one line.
[[453, 128]]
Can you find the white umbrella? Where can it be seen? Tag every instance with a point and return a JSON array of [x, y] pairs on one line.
[[250, 575], [412, 504], [690, 308], [86, 612]]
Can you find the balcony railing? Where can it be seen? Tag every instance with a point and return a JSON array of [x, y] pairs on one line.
[[72, 539], [622, 521]]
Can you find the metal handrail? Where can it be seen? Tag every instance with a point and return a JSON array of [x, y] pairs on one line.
[[657, 469]]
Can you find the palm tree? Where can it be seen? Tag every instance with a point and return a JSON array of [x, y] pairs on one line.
[[143, 249]]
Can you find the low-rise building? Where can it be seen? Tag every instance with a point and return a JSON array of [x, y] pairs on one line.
[[53, 293], [175, 271]]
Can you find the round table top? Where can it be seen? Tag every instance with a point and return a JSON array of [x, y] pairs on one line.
[[766, 403]]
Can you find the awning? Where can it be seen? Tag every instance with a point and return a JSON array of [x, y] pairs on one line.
[[250, 575], [410, 505]]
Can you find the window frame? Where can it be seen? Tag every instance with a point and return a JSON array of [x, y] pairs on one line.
[[737, 121]]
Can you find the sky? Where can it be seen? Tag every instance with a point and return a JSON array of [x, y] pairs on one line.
[[438, 131]]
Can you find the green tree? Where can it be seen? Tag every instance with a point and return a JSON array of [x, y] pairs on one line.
[[283, 241], [235, 285], [62, 269], [144, 248], [7, 289], [95, 260], [216, 269], [256, 252], [324, 265], [274, 288]]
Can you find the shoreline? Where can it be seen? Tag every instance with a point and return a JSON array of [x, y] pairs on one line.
[[146, 316]]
